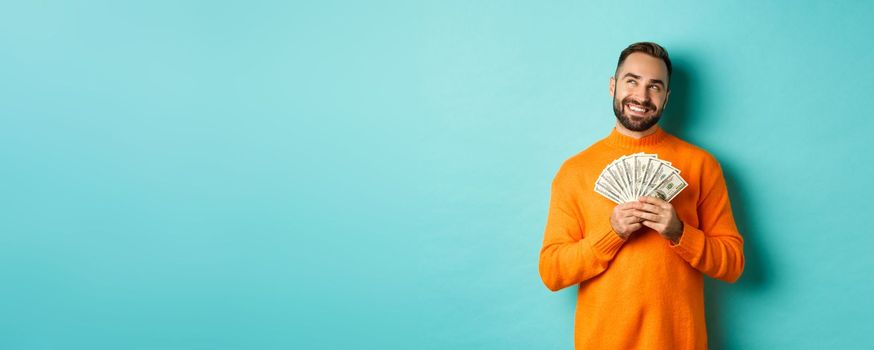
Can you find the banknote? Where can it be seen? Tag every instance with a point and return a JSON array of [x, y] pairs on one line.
[[640, 174], [669, 188]]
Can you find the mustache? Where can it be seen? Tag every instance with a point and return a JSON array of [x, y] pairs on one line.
[[646, 104]]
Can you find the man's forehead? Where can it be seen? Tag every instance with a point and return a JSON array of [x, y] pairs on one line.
[[643, 65]]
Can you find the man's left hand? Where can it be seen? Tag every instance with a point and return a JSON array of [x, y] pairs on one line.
[[659, 215]]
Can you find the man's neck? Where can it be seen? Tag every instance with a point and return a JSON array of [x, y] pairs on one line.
[[635, 134]]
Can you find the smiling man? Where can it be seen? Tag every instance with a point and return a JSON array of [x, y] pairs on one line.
[[640, 265]]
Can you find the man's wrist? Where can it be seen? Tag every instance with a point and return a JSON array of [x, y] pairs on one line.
[[676, 239]]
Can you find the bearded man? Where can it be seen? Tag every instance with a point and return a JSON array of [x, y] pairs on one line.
[[640, 265]]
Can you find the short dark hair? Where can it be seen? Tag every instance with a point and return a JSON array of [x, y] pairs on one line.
[[649, 48]]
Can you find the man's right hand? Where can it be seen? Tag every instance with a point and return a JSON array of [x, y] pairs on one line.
[[624, 221]]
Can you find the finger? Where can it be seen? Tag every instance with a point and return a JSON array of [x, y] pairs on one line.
[[648, 216], [625, 211], [627, 205], [654, 201], [632, 215], [660, 204], [648, 224], [652, 225], [630, 220], [651, 208]]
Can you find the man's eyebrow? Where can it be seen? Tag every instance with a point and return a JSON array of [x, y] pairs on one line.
[[653, 81]]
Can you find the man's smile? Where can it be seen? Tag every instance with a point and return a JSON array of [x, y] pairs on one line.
[[636, 108]]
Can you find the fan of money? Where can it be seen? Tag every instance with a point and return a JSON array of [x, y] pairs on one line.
[[631, 176]]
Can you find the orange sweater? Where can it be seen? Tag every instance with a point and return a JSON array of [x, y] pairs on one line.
[[643, 293]]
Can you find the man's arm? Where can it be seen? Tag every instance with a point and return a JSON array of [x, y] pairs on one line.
[[715, 248], [570, 256]]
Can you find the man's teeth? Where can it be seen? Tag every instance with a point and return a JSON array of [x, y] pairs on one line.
[[637, 108]]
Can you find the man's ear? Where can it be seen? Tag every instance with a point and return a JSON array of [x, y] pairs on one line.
[[612, 86]]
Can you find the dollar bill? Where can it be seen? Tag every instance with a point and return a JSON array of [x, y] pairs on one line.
[[640, 162], [669, 188], [640, 174], [599, 187], [618, 170]]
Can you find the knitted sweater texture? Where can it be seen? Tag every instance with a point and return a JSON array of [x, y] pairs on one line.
[[643, 292]]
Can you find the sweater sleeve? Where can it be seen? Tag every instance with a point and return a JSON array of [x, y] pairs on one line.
[[570, 254], [716, 247]]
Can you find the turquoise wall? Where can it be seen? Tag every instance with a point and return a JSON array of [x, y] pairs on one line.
[[326, 175]]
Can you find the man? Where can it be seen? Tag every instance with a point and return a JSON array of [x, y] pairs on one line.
[[640, 265]]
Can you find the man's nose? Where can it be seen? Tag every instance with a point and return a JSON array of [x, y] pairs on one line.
[[641, 93]]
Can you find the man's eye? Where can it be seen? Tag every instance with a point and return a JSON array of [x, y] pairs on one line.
[[632, 82], [655, 87]]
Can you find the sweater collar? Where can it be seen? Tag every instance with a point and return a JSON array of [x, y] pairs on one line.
[[619, 140]]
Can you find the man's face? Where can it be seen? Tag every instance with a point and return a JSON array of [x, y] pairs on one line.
[[639, 91]]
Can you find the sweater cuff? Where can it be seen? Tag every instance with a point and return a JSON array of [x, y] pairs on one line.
[[691, 245], [605, 242]]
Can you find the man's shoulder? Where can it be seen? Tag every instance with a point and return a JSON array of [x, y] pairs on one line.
[[584, 160], [693, 151]]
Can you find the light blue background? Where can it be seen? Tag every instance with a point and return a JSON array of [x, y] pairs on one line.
[[325, 175]]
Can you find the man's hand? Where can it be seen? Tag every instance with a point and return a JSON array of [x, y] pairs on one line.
[[660, 216], [624, 220]]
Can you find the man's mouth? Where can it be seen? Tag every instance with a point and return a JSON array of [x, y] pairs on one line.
[[636, 108]]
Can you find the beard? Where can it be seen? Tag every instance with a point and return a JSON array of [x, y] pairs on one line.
[[636, 123]]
